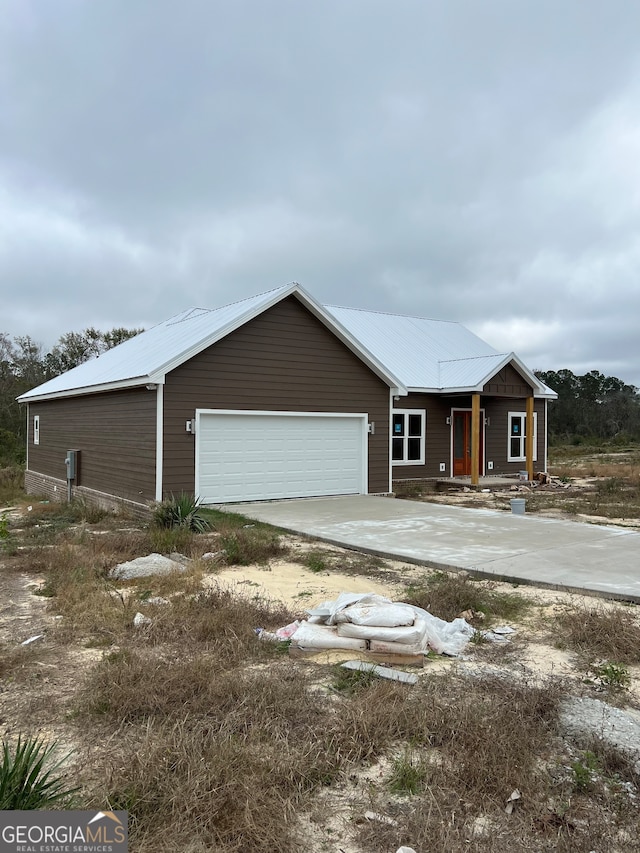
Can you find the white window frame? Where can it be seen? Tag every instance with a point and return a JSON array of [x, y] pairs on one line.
[[36, 429], [522, 438], [422, 436]]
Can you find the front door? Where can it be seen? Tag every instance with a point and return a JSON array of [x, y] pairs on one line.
[[462, 444]]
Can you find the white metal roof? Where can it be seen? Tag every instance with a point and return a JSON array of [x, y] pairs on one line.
[[413, 347], [431, 355], [149, 356], [406, 352]]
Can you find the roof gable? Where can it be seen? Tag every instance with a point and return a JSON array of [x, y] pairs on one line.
[[149, 356]]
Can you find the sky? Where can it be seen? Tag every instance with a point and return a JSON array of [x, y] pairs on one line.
[[468, 160]]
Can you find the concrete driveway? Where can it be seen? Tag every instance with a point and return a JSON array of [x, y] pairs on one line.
[[522, 548]]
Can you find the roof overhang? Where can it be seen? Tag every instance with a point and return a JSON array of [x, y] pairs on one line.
[[136, 382], [540, 390]]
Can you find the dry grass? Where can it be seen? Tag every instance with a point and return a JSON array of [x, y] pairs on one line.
[[191, 786], [599, 631], [212, 740], [325, 560], [239, 754], [131, 685], [487, 738], [15, 661], [217, 618], [448, 595], [251, 546]]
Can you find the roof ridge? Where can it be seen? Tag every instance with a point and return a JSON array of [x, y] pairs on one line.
[[188, 313]]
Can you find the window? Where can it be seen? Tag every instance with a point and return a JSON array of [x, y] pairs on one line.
[[36, 429], [407, 436], [517, 449]]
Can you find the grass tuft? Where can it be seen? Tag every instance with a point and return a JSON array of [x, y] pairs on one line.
[[254, 545], [449, 595], [409, 774], [610, 632]]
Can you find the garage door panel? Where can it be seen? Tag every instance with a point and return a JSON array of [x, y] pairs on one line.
[[262, 456]]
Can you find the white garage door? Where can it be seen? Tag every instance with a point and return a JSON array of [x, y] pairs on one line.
[[261, 456]]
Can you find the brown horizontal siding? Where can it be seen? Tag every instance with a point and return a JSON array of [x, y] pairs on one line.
[[116, 436], [438, 435], [498, 433], [436, 439], [283, 360]]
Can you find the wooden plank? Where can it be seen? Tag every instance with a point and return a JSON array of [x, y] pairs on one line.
[[529, 438], [475, 439]]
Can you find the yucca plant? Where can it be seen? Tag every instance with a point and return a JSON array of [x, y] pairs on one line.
[[28, 777], [181, 511]]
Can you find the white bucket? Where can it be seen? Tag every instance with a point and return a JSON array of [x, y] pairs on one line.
[[523, 475], [517, 506]]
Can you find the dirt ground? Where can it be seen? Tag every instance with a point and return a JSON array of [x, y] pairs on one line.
[[53, 668], [38, 697], [577, 500]]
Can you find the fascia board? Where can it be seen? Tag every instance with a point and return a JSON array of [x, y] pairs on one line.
[[138, 381], [472, 389]]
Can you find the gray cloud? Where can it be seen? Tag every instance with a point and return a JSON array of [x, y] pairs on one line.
[[463, 160]]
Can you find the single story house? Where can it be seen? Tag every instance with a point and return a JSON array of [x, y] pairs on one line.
[[277, 396]]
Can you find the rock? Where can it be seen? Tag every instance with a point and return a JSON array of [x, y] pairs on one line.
[[141, 621], [589, 718], [212, 555], [152, 564], [156, 600]]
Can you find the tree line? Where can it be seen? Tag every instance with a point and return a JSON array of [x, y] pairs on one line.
[[591, 406], [24, 364]]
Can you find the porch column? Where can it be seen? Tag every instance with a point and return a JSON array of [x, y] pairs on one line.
[[475, 439], [529, 438]]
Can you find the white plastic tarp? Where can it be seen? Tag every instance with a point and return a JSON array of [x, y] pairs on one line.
[[310, 636], [443, 637]]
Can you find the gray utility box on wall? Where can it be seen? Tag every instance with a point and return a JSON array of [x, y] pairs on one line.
[[72, 463]]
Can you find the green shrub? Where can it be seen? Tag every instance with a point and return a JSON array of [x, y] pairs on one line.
[[181, 511], [28, 778], [315, 562]]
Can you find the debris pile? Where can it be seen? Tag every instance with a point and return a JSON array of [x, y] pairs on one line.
[[367, 622], [543, 481]]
